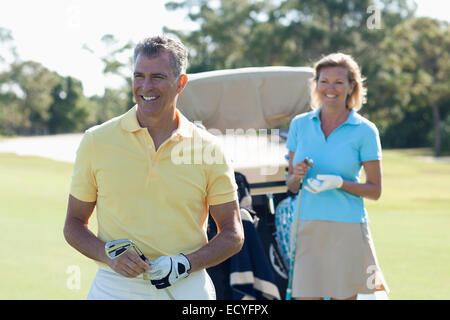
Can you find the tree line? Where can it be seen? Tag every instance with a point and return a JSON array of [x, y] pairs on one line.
[[35, 100], [405, 60]]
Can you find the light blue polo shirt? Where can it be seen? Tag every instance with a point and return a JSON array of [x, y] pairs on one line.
[[342, 153]]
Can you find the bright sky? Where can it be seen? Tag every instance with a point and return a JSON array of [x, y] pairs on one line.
[[53, 32]]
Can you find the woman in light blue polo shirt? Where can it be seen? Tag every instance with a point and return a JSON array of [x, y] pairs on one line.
[[335, 256]]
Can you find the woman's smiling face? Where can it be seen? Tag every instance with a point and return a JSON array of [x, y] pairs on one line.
[[334, 86]]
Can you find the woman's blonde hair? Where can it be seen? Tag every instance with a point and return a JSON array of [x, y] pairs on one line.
[[358, 97]]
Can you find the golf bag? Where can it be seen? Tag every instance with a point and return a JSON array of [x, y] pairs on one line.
[[284, 216], [265, 206], [260, 256]]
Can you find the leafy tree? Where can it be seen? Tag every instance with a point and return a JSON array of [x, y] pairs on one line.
[[35, 100], [108, 106], [68, 111], [32, 83], [241, 33], [8, 51], [417, 70], [114, 64], [405, 60], [8, 98], [228, 33], [10, 117], [445, 133]]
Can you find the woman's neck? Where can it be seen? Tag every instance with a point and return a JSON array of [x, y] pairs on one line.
[[335, 116]]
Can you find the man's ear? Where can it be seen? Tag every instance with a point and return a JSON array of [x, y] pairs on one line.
[[182, 81]]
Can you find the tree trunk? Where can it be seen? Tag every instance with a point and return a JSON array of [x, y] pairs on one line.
[[437, 130]]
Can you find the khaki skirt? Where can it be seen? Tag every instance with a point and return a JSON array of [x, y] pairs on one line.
[[335, 260]]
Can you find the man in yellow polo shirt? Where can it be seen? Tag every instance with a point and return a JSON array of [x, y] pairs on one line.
[[153, 176]]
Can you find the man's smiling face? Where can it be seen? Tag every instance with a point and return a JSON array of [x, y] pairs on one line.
[[155, 87]]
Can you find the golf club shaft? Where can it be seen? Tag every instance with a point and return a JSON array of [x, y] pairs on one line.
[[169, 294], [292, 249], [293, 240], [139, 252], [127, 244]]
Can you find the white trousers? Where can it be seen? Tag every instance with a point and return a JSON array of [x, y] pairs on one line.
[[109, 285]]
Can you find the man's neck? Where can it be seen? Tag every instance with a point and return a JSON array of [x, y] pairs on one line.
[[160, 128]]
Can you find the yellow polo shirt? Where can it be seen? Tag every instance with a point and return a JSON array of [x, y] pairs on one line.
[[157, 198]]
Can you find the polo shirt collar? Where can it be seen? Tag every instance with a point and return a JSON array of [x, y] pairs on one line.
[[352, 118], [185, 127], [316, 113], [130, 123]]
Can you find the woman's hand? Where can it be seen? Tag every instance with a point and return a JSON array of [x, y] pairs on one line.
[[324, 182], [297, 172], [300, 170]]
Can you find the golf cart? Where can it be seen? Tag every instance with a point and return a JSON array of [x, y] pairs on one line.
[[243, 108]]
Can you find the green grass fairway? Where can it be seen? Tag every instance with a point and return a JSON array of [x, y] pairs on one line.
[[410, 225], [36, 261]]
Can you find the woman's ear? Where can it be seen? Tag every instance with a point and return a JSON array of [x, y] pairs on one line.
[[352, 88]]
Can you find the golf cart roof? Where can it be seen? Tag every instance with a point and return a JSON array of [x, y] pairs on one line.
[[248, 100], [264, 97]]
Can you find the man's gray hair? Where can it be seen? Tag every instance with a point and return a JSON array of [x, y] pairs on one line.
[[153, 46]]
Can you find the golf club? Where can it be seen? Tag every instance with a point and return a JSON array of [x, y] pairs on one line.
[[309, 162], [116, 248]]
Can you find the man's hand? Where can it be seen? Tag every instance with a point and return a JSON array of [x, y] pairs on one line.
[[166, 270], [323, 182], [129, 264]]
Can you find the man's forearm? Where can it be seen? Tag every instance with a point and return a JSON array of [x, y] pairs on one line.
[[82, 239], [224, 245]]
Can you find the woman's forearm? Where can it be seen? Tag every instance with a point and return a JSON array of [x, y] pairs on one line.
[[293, 183], [372, 188], [366, 190]]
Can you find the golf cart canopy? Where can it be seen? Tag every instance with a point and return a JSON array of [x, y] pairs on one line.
[[257, 98], [249, 100]]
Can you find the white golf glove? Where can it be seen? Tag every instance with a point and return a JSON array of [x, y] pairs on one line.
[[323, 182], [166, 270]]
